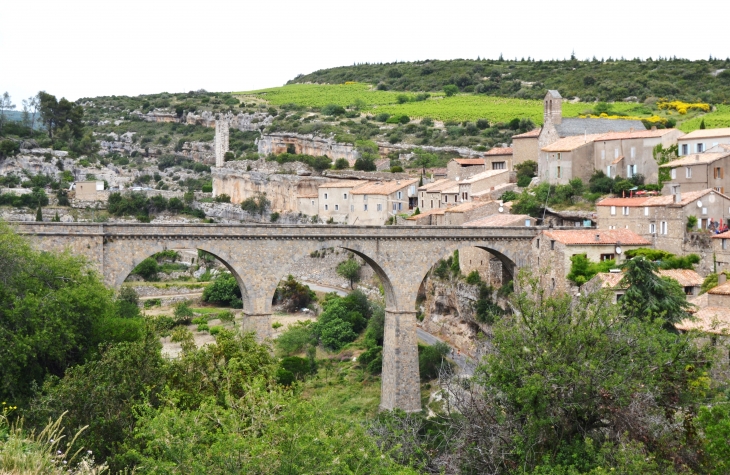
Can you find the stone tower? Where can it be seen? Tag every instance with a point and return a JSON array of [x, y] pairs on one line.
[[553, 107], [221, 141]]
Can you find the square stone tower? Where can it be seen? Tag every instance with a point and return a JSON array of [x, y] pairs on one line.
[[553, 107], [221, 141]]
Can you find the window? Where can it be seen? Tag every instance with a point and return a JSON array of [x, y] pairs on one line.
[[400, 195], [344, 196], [625, 211], [312, 202], [558, 173], [400, 206], [552, 245], [560, 155], [352, 208], [704, 210], [629, 171], [646, 211], [663, 227], [326, 207], [337, 207], [364, 197], [395, 207], [499, 165], [615, 153], [652, 228], [613, 211], [674, 173], [422, 205], [608, 171], [446, 198], [538, 244], [325, 196], [633, 152], [380, 207], [365, 207], [607, 257], [412, 190], [527, 222], [719, 172], [688, 172], [603, 154], [724, 244], [719, 189], [700, 147], [431, 203], [685, 149]]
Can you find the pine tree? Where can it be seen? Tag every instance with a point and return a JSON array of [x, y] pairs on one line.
[[39, 214], [702, 124], [56, 218]]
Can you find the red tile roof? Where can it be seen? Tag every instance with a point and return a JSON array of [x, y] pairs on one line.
[[709, 320], [610, 280], [605, 237], [685, 277], [663, 200], [532, 133], [723, 289], [500, 151], [500, 220], [633, 134], [469, 161]]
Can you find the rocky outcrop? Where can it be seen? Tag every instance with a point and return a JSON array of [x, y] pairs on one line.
[[278, 143], [448, 313], [243, 122]]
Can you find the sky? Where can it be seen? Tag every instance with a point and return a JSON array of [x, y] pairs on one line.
[[87, 48]]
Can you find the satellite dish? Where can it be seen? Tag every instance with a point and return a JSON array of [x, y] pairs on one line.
[[699, 204], [501, 209], [618, 250]]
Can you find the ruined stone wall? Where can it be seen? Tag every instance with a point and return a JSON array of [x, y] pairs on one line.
[[281, 189], [278, 143]]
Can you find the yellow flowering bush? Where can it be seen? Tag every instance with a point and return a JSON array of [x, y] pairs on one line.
[[683, 107], [654, 119]]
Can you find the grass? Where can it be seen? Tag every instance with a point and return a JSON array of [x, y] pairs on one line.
[[460, 107], [715, 119]]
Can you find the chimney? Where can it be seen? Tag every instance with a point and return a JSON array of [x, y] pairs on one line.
[[721, 279]]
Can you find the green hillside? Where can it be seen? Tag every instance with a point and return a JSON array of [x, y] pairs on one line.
[[603, 80]]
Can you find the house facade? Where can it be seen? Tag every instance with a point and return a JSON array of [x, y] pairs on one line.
[[566, 159], [552, 250], [335, 201], [461, 168], [430, 194], [485, 181], [702, 140], [721, 251], [524, 147], [376, 202], [700, 171], [498, 158], [626, 154], [663, 220]]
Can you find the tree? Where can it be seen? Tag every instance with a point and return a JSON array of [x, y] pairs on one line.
[[6, 104], [350, 270], [224, 290], [30, 106], [450, 90], [39, 215], [368, 151], [341, 164], [147, 269], [569, 374], [649, 297]]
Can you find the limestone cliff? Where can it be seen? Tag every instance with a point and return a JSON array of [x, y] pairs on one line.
[[237, 181]]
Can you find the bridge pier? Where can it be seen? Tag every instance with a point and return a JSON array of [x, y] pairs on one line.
[[401, 388], [260, 323]]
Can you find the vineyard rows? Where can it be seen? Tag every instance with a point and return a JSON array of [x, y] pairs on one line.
[[458, 108]]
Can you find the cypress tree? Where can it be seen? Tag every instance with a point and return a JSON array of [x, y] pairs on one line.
[[39, 214]]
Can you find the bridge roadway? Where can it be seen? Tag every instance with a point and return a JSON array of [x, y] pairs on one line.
[[259, 256]]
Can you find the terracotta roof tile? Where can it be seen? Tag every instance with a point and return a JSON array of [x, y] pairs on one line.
[[468, 206], [696, 159], [605, 237], [663, 200], [532, 133], [635, 134], [342, 184], [439, 186], [500, 220], [723, 289], [706, 133], [433, 184], [500, 151], [423, 214], [610, 280], [709, 320], [571, 143], [685, 277], [485, 175], [469, 161], [383, 187]]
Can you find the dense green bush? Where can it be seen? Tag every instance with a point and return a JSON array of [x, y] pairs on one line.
[[223, 291], [431, 359], [293, 295], [256, 204]]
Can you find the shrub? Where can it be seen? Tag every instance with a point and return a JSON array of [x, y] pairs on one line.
[[183, 314], [223, 198], [274, 217], [147, 269], [473, 278], [255, 204], [293, 295], [341, 164], [333, 109], [431, 359], [450, 90], [509, 196], [223, 291]]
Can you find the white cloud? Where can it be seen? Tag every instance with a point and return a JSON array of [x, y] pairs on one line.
[[81, 48]]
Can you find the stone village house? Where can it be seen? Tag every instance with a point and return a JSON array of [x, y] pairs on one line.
[[702, 140], [662, 220], [461, 168], [700, 171], [375, 202], [688, 279], [499, 158], [552, 250], [524, 147]]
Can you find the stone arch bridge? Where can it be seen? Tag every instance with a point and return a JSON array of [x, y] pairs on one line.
[[259, 256]]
